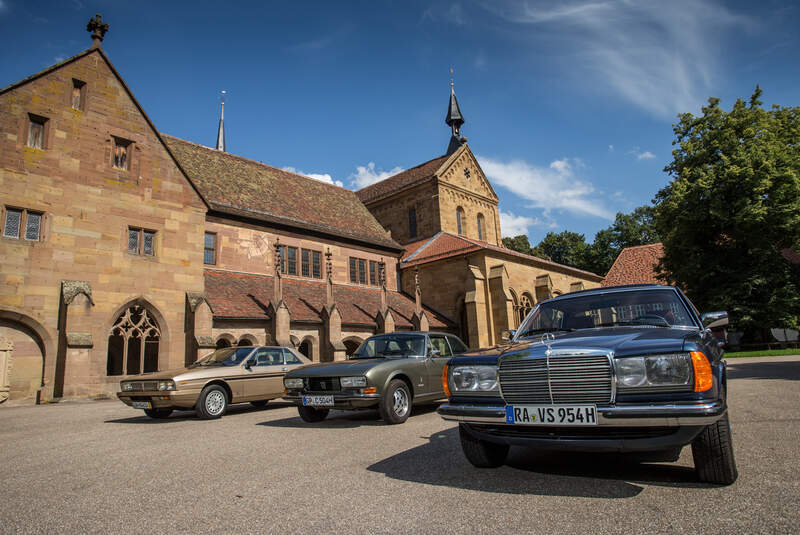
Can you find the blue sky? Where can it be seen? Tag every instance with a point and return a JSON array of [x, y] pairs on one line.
[[568, 105]]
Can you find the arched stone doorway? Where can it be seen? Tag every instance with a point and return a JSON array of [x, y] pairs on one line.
[[245, 341], [133, 343], [24, 364]]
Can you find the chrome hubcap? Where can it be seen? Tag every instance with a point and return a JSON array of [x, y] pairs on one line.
[[400, 402], [215, 402]]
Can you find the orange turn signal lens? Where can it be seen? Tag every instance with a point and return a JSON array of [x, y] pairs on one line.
[[370, 390], [703, 378], [445, 384]]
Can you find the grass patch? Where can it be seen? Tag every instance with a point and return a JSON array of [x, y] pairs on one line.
[[764, 353]]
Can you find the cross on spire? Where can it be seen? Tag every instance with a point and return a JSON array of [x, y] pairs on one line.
[[98, 28]]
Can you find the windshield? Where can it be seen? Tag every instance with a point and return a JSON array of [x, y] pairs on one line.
[[657, 308], [227, 356], [395, 346]]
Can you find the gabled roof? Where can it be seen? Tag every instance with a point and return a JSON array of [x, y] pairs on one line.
[[445, 245], [407, 178], [241, 187], [247, 296], [127, 91], [635, 265]]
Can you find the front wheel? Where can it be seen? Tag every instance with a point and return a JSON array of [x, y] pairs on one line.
[[158, 414], [212, 403], [713, 454], [311, 415], [395, 405], [480, 453]]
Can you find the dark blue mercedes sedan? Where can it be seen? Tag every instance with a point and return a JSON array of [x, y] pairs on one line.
[[628, 369]]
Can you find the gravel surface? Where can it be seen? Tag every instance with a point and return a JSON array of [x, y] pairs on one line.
[[102, 467]]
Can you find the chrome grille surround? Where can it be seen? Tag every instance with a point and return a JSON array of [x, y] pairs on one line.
[[144, 386], [558, 376]]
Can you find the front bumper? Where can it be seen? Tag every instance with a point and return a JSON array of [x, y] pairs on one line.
[[341, 400], [161, 399]]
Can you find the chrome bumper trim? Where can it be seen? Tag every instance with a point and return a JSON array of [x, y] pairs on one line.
[[655, 415], [336, 397]]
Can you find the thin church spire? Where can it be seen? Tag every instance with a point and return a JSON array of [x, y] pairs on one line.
[[221, 129], [454, 120]]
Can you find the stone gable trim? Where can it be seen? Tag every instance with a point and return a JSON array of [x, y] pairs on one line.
[[467, 154]]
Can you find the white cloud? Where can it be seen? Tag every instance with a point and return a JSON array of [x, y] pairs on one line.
[[611, 148], [514, 225], [367, 174], [555, 187], [661, 56], [647, 155], [324, 177]]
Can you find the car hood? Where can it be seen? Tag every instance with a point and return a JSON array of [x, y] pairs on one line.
[[185, 374], [340, 368], [622, 341]]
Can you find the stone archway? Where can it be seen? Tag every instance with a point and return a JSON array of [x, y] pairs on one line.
[[6, 350], [247, 340], [24, 359], [351, 344], [223, 341]]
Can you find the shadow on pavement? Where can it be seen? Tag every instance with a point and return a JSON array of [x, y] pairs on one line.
[[441, 462], [346, 419], [142, 418], [787, 370]]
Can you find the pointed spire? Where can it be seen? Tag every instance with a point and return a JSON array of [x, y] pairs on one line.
[[278, 284], [454, 120], [221, 129], [98, 29], [329, 277]]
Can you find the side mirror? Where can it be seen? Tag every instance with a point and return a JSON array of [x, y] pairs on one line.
[[248, 364], [714, 320], [507, 336]]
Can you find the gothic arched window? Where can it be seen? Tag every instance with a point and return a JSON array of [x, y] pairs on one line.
[[525, 306], [460, 220], [133, 343], [481, 232]]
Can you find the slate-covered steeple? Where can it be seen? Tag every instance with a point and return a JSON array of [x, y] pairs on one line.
[[454, 120], [221, 129]]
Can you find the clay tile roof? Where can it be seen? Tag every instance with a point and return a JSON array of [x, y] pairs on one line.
[[445, 245], [401, 180], [238, 186], [635, 265], [247, 296]]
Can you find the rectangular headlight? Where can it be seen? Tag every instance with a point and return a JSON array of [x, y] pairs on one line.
[[166, 385], [127, 387], [473, 379], [293, 382], [656, 370], [353, 382]]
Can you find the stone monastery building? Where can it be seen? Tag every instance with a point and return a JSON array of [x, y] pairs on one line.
[[125, 251]]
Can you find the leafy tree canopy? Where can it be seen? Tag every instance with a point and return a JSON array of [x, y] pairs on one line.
[[732, 207], [518, 243]]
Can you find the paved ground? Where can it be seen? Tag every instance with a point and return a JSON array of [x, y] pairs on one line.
[[81, 467]]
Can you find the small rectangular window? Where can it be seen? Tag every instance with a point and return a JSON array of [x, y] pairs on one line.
[[353, 270], [316, 264], [362, 271], [33, 226], [282, 258], [148, 242], [78, 91], [133, 241], [305, 263], [36, 126], [141, 242], [412, 223], [374, 277], [291, 260], [210, 248], [122, 149], [13, 223]]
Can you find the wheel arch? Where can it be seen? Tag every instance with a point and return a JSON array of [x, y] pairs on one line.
[[224, 385]]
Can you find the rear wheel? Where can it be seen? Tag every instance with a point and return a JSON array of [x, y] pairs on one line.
[[713, 454], [212, 403], [395, 405], [158, 414], [260, 404], [311, 415], [480, 453]]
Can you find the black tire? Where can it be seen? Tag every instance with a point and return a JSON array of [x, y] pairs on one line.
[[395, 405], [713, 454], [212, 403], [311, 414], [260, 404], [480, 453], [158, 414]]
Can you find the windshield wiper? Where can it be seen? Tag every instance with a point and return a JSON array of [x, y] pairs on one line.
[[634, 322], [546, 330]]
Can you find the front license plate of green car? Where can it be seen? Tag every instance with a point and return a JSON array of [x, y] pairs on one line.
[[318, 401], [551, 414], [141, 404]]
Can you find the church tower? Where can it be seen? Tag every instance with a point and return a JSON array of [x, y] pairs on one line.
[[454, 120]]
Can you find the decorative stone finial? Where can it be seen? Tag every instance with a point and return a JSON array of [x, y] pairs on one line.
[[382, 279], [278, 283], [417, 292], [329, 278], [98, 29]]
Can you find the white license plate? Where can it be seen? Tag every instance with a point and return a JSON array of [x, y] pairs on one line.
[[318, 401], [141, 405], [551, 414]]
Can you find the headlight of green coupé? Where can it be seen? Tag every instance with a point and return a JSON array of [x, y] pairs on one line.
[[475, 379], [353, 382], [653, 371]]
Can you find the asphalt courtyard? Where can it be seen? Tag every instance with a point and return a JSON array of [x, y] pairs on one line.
[[102, 467]]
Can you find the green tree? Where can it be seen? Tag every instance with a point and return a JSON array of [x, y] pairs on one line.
[[568, 248], [519, 244], [732, 206], [628, 230]]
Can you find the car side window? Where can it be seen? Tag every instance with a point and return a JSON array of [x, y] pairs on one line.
[[269, 357], [291, 358], [439, 343], [456, 345]]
